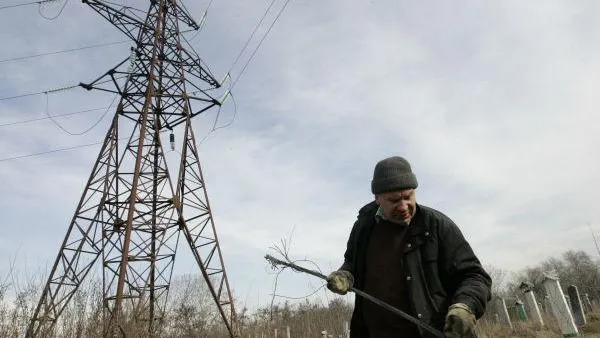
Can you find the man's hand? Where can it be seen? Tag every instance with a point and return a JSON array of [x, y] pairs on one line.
[[460, 322], [340, 281]]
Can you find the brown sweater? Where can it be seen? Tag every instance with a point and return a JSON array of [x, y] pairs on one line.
[[385, 280]]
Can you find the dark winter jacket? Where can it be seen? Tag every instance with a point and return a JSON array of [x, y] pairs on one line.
[[440, 266]]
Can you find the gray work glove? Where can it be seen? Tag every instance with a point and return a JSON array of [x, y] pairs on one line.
[[460, 322], [340, 281]]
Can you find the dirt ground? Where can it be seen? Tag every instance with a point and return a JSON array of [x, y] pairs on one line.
[[592, 328]]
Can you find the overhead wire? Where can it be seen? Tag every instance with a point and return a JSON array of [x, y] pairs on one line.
[[39, 2], [46, 117], [86, 130], [72, 49], [69, 87], [57, 15], [48, 151], [62, 51], [118, 42], [202, 19], [229, 90], [259, 44], [11, 158], [215, 127], [232, 119], [37, 93], [251, 36], [132, 58]]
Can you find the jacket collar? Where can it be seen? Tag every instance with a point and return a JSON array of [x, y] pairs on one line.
[[417, 225]]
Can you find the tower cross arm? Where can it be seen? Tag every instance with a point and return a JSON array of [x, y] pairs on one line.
[[126, 23], [183, 15]]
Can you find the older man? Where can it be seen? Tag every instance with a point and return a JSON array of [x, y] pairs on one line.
[[412, 257]]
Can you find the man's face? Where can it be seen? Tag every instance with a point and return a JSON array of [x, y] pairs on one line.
[[398, 206]]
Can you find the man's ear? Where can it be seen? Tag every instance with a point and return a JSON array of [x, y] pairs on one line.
[[377, 199]]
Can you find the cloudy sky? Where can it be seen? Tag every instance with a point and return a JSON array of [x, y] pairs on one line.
[[493, 103]]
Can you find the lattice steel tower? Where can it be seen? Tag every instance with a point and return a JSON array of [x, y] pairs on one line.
[[130, 215]]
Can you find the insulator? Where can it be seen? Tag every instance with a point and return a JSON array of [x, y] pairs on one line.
[[227, 76], [224, 97], [172, 140]]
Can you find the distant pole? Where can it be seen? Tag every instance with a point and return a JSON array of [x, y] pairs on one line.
[[287, 331], [559, 306], [587, 303], [534, 310], [576, 305], [503, 312], [532, 305], [594, 237], [548, 305]]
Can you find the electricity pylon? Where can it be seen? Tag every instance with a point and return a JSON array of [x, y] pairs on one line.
[[130, 214]]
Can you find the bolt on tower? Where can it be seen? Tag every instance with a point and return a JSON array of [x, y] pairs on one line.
[[131, 214]]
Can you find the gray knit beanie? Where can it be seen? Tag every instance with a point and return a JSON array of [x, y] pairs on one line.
[[392, 174]]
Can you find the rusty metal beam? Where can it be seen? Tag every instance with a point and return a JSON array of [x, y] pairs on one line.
[[131, 215]]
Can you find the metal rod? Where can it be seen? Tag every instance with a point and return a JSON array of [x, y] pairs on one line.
[[363, 294]]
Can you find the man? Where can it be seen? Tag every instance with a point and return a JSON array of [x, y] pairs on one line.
[[412, 257]]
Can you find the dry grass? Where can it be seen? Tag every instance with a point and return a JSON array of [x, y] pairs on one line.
[[527, 329], [191, 313]]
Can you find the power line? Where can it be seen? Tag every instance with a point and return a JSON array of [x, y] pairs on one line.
[[39, 2], [106, 44], [48, 152], [251, 35], [11, 158], [57, 15], [82, 132], [62, 51], [226, 125], [38, 93], [60, 89], [259, 44], [46, 117], [214, 128], [17, 58]]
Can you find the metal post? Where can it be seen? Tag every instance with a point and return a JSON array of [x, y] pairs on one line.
[[503, 313], [534, 310], [131, 213], [587, 303], [532, 305]]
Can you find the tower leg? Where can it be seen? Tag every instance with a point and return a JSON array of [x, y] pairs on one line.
[[82, 244], [199, 228]]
